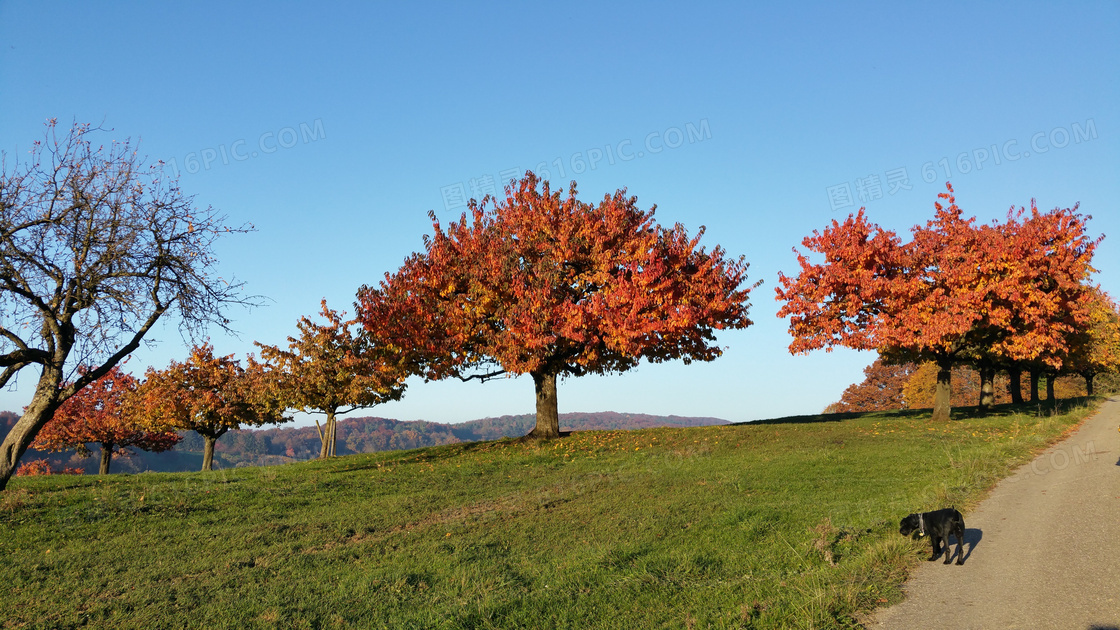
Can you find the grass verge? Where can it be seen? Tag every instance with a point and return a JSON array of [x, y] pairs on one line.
[[787, 523]]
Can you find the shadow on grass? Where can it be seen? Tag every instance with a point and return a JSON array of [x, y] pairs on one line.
[[1040, 408], [839, 417]]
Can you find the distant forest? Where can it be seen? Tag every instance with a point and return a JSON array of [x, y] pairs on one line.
[[281, 445]]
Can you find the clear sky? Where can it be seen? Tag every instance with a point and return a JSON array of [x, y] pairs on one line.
[[335, 128]]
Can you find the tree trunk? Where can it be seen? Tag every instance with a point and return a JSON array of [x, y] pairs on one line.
[[943, 393], [1050, 387], [1015, 375], [1089, 382], [548, 416], [322, 440], [208, 452], [35, 415], [987, 388], [1034, 385], [327, 435], [106, 458], [333, 434]]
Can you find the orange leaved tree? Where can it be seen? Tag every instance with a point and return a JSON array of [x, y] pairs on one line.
[[881, 389], [205, 394], [544, 284], [333, 371], [1096, 350], [1042, 303], [957, 292], [96, 415]]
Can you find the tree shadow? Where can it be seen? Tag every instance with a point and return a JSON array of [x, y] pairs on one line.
[[1038, 408], [838, 417]]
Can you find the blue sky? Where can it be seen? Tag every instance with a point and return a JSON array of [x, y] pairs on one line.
[[334, 129]]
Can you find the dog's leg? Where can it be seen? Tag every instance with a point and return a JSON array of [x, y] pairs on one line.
[[960, 541], [949, 549], [935, 540]]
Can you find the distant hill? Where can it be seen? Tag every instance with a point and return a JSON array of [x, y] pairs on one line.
[[280, 445]]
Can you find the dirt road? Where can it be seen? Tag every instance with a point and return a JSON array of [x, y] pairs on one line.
[[1043, 551]]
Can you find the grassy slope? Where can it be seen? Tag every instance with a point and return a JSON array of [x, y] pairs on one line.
[[781, 524]]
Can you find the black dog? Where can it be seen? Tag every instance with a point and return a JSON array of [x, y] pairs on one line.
[[938, 525]]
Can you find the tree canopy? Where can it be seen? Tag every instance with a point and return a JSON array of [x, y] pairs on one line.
[[95, 415], [207, 394], [541, 283], [956, 292], [332, 370]]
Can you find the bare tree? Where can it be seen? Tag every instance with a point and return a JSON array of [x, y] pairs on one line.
[[95, 247]]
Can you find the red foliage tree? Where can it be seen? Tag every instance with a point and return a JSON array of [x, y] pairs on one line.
[[34, 468], [880, 390], [95, 415], [956, 292], [38, 467], [206, 394], [547, 285]]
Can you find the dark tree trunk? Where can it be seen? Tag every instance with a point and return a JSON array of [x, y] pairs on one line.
[[943, 394], [106, 458], [208, 450], [1034, 385], [1015, 375], [1050, 387], [548, 416], [35, 415], [987, 388], [1088, 382]]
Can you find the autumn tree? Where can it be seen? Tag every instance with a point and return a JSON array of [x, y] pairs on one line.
[[881, 389], [95, 247], [331, 370], [920, 390], [206, 394], [95, 415], [913, 302], [1096, 348], [1041, 306], [957, 292], [544, 284]]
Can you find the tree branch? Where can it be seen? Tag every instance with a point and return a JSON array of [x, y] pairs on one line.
[[481, 377]]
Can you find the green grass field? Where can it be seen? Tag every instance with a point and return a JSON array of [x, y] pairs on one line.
[[765, 525]]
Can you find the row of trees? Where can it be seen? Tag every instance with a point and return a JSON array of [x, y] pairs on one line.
[[1011, 295], [96, 246], [208, 394], [326, 369], [538, 283], [887, 387]]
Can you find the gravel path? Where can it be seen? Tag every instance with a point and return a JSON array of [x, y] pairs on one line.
[[1043, 551]]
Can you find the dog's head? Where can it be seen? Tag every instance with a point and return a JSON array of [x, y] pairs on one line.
[[909, 525]]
